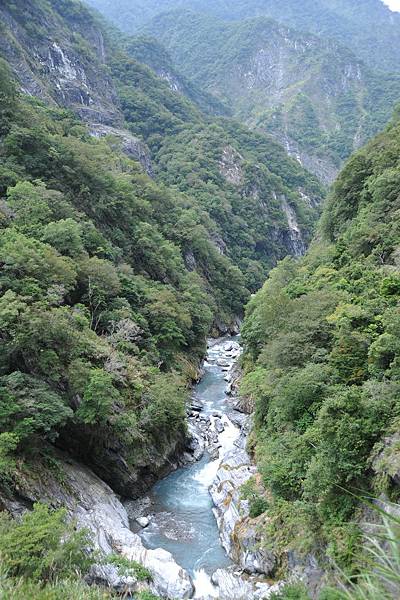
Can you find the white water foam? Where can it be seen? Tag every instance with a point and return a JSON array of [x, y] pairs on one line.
[[228, 437], [227, 440], [208, 473], [203, 586]]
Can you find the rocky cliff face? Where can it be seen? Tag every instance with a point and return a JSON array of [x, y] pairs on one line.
[[61, 58], [94, 506]]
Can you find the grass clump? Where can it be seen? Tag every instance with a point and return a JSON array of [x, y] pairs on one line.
[[129, 567]]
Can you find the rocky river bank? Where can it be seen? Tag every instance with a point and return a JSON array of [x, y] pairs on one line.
[[217, 466], [192, 532]]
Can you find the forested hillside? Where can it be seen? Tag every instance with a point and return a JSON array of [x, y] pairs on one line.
[[362, 26], [322, 366], [95, 292], [315, 96], [119, 256], [262, 204]]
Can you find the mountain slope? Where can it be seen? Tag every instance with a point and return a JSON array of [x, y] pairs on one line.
[[359, 25], [98, 306], [322, 366], [315, 96], [126, 100]]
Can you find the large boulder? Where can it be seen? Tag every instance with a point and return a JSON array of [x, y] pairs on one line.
[[233, 586], [234, 470], [240, 535], [168, 578]]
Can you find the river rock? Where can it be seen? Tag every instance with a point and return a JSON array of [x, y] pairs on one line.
[[228, 346], [213, 451], [219, 426], [222, 362], [108, 576], [249, 551], [143, 521], [195, 442], [239, 534], [196, 405], [234, 471], [205, 419], [231, 585], [168, 578], [238, 418], [137, 508]]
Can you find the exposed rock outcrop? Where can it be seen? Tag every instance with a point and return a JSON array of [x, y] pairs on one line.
[[295, 241], [387, 459], [230, 165], [131, 145], [232, 585], [62, 68], [94, 506], [239, 534], [105, 455]]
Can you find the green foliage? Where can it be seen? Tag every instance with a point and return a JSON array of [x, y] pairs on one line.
[[98, 398], [291, 592], [10, 589], [8, 444], [129, 567], [29, 407], [379, 563], [8, 97], [146, 595], [42, 546], [258, 504], [322, 360], [97, 305]]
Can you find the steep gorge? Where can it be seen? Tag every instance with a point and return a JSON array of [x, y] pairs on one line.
[[132, 224], [136, 217]]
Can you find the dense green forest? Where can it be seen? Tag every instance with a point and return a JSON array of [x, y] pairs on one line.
[[188, 151], [248, 221], [359, 25], [322, 365], [97, 304]]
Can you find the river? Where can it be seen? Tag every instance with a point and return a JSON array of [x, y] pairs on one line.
[[181, 518]]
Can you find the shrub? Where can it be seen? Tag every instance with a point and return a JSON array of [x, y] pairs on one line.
[[129, 567], [42, 546]]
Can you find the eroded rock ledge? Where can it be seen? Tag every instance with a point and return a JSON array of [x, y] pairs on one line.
[[94, 506]]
